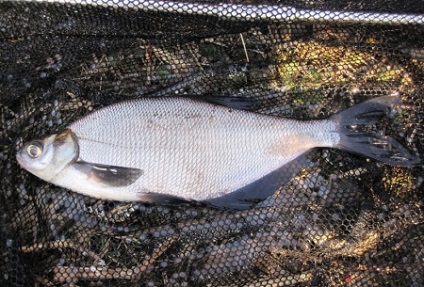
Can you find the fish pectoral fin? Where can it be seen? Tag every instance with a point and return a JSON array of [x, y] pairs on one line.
[[159, 198], [114, 176]]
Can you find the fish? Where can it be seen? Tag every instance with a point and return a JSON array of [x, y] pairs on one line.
[[169, 150]]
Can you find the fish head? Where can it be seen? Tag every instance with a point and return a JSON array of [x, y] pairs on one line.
[[47, 157]]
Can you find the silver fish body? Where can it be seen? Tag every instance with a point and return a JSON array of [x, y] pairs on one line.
[[152, 148]]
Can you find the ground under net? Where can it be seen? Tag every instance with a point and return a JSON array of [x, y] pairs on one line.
[[344, 220]]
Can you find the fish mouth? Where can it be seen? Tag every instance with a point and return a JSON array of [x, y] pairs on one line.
[[20, 158]]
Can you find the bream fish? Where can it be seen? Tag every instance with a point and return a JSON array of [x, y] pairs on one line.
[[164, 150]]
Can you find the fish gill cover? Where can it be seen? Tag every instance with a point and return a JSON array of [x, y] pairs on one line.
[[342, 220]]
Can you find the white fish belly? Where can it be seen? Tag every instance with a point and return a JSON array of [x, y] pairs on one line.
[[192, 149]]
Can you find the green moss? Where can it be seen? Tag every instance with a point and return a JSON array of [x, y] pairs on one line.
[[311, 66]]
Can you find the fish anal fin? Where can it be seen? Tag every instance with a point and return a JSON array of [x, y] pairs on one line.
[[257, 191]]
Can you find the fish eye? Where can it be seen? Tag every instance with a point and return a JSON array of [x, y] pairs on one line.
[[34, 150]]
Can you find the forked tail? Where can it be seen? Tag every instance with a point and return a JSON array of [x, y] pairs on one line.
[[355, 138]]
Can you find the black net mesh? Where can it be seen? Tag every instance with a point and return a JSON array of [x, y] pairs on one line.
[[345, 220]]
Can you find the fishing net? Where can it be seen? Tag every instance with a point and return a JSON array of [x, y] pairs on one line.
[[343, 220]]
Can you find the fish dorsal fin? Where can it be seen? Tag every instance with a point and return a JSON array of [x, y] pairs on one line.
[[247, 104], [114, 176]]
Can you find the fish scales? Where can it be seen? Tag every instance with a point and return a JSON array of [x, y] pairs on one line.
[[187, 145], [164, 149]]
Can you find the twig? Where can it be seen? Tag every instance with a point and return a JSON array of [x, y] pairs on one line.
[[73, 274], [244, 47], [60, 244]]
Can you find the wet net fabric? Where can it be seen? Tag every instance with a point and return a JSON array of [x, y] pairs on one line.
[[343, 220]]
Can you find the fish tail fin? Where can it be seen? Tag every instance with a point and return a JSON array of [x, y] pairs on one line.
[[354, 137]]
